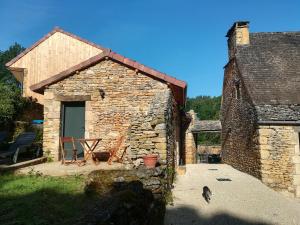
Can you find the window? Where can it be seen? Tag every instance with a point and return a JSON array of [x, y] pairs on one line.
[[237, 91], [237, 88]]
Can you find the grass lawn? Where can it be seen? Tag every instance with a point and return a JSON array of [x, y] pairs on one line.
[[42, 200]]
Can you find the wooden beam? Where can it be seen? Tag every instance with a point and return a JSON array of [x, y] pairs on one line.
[[73, 98]]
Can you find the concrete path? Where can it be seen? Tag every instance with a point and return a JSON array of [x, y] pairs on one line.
[[242, 201]]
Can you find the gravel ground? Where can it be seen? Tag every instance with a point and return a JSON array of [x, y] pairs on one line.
[[242, 201], [57, 169]]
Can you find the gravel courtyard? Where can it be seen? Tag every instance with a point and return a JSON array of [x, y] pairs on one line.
[[242, 201]]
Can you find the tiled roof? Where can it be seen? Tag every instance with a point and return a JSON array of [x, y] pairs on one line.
[[270, 68], [206, 126], [56, 29], [178, 87]]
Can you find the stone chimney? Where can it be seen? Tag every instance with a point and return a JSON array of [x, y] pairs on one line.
[[237, 35]]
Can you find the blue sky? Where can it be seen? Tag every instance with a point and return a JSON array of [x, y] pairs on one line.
[[183, 38]]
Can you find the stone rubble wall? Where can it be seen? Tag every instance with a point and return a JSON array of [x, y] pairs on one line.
[[279, 149], [134, 105], [238, 118], [211, 149], [190, 142], [137, 196], [270, 153]]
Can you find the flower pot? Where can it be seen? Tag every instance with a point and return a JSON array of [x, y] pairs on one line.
[[150, 161]]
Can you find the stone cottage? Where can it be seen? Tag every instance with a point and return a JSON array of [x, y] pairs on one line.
[[261, 106], [101, 94]]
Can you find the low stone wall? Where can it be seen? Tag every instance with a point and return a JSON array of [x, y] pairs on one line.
[[135, 196], [279, 151], [211, 149]]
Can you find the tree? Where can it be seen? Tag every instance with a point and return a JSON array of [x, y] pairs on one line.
[[11, 100], [206, 107], [6, 56]]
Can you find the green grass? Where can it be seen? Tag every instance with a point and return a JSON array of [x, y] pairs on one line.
[[37, 200]]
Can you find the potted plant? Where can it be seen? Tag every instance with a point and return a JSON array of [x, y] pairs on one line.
[[150, 160]]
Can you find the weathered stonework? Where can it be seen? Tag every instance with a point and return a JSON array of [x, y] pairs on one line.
[[238, 119], [190, 141], [212, 149], [278, 145], [134, 105], [260, 133]]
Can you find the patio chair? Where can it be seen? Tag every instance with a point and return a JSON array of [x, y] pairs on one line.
[[21, 144], [68, 150], [114, 150]]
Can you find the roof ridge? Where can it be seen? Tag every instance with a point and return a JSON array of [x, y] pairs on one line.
[[49, 34]]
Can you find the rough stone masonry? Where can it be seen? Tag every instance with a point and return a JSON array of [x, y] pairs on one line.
[[261, 106], [137, 106]]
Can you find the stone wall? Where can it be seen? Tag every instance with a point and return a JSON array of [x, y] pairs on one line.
[[270, 153], [134, 105], [211, 149], [279, 149], [238, 118], [190, 142], [125, 197]]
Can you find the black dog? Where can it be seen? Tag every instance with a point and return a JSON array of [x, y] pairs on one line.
[[206, 194]]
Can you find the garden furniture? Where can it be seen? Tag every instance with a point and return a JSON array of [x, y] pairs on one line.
[[114, 150], [89, 145], [68, 150], [21, 144]]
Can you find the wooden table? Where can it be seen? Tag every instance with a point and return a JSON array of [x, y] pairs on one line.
[[89, 145]]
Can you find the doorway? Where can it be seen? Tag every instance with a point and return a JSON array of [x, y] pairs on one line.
[[73, 124]]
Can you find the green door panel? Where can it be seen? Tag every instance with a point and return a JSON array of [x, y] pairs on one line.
[[73, 125]]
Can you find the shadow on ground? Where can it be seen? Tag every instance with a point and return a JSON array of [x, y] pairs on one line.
[[123, 203], [189, 216]]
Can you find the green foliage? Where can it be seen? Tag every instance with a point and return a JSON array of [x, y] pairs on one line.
[[206, 107], [11, 101], [6, 56], [209, 138]]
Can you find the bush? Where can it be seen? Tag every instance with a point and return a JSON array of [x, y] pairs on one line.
[[11, 102]]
